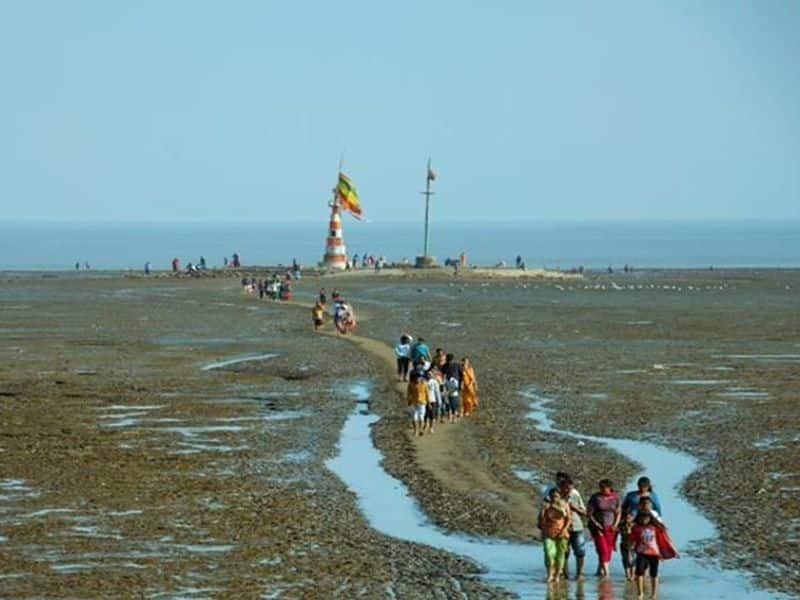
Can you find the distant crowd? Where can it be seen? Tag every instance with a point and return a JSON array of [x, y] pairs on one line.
[[440, 389]]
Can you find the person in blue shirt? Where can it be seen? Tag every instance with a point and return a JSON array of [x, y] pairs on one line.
[[421, 352], [644, 489]]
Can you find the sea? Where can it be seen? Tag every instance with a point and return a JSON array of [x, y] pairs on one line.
[[595, 245]]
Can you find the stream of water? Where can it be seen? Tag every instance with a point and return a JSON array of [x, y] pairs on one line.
[[390, 509]]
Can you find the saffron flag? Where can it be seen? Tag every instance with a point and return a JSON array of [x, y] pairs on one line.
[[347, 195]]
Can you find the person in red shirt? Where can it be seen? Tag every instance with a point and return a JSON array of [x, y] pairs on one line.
[[652, 544]]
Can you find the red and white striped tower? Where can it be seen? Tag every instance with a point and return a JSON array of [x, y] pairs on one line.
[[335, 258]]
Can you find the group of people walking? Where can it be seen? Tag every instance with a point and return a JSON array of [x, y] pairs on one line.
[[273, 287], [344, 318], [634, 523], [440, 389]]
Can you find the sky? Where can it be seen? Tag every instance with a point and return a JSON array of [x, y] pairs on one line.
[[242, 111]]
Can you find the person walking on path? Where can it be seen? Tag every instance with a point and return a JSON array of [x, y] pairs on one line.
[[417, 399], [644, 489], [434, 399], [421, 351], [317, 315], [627, 550], [469, 388], [604, 511], [554, 523], [577, 541], [403, 354], [652, 544], [451, 373]]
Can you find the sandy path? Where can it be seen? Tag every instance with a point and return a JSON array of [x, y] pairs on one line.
[[450, 455]]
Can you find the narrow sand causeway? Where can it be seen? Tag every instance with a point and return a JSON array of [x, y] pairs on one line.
[[518, 568]]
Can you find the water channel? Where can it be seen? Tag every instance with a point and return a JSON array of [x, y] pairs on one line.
[[516, 567]]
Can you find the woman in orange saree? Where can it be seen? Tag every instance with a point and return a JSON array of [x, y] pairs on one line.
[[469, 387]]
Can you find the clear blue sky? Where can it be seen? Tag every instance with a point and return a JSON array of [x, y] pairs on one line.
[[164, 110]]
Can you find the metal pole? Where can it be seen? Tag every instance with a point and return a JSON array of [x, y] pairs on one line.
[[427, 207]]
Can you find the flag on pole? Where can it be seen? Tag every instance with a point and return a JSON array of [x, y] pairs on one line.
[[431, 174], [347, 195]]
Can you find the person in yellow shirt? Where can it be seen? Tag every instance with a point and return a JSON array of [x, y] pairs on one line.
[[317, 314], [469, 387], [417, 399]]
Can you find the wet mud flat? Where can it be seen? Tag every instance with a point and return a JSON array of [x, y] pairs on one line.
[[701, 362], [169, 439]]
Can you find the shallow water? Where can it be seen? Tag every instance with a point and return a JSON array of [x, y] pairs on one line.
[[390, 509], [239, 359]]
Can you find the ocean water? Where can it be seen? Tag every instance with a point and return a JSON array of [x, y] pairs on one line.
[[595, 245]]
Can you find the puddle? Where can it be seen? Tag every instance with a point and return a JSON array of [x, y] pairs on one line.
[[360, 390], [631, 371], [518, 568], [526, 475], [200, 429], [639, 323], [743, 393], [697, 381], [198, 446], [206, 548], [233, 361], [766, 358]]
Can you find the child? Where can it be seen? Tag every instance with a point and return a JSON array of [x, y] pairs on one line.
[[434, 399], [417, 399], [452, 386], [652, 544], [316, 315], [626, 550], [554, 522], [403, 353]]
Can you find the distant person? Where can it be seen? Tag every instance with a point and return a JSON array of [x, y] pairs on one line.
[[147, 268], [176, 265], [86, 265], [469, 388], [451, 373], [610, 269], [420, 351], [236, 262], [317, 315], [323, 297], [77, 266], [518, 260], [202, 263], [439, 358], [417, 400], [225, 261], [434, 399], [403, 354]]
